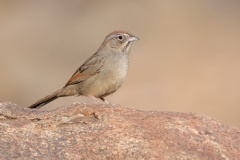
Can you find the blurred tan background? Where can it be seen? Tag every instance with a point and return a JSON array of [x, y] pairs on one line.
[[188, 58]]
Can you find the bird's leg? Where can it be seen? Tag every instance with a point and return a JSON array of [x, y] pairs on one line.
[[99, 100], [104, 100], [114, 105]]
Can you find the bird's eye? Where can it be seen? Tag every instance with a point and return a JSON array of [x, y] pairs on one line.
[[120, 37]]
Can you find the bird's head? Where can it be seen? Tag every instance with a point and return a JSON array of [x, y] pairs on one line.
[[119, 41]]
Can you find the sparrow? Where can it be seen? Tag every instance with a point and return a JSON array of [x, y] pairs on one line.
[[101, 74]]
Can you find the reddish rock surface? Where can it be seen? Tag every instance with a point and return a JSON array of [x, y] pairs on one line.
[[81, 131]]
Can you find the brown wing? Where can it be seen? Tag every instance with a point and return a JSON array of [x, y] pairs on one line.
[[90, 67]]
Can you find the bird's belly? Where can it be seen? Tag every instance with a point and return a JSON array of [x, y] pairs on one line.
[[105, 82]]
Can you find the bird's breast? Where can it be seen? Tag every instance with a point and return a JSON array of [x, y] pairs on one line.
[[115, 67], [109, 79]]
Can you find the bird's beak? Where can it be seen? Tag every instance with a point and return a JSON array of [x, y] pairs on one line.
[[133, 38]]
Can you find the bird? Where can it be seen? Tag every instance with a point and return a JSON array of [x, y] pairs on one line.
[[101, 74]]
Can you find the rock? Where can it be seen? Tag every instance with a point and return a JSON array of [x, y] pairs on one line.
[[81, 131]]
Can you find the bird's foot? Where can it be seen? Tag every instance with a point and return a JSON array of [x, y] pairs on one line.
[[101, 100]]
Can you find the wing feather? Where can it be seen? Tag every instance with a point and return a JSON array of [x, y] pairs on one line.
[[90, 67]]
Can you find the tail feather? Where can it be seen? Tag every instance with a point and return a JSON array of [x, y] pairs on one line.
[[45, 100]]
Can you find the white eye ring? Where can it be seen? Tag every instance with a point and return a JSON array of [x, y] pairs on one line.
[[120, 37]]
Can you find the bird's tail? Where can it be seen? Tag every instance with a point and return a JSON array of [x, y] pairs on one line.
[[46, 100]]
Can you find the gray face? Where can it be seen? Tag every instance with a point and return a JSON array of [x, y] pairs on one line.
[[120, 41]]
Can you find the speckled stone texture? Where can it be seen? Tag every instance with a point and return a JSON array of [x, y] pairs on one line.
[[81, 131]]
